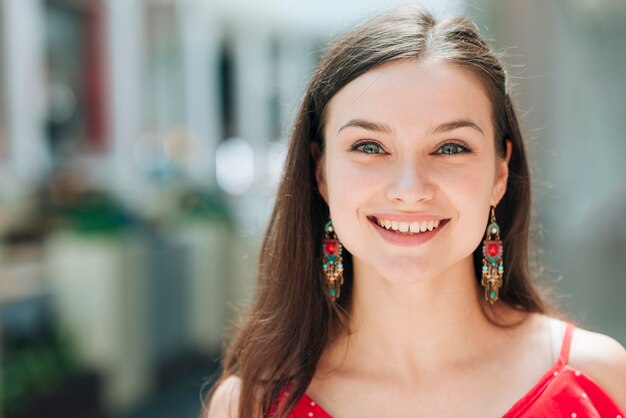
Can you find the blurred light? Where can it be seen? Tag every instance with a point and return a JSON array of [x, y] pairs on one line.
[[181, 144], [234, 165], [61, 103], [149, 153], [276, 156]]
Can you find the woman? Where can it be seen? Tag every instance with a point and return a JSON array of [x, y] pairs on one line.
[[394, 275]]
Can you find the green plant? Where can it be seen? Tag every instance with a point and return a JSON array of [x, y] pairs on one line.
[[34, 370], [206, 205]]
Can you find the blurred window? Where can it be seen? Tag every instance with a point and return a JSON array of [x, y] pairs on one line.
[[163, 89], [226, 79], [75, 57]]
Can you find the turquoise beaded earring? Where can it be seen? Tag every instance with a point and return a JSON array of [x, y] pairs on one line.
[[493, 269], [332, 262]]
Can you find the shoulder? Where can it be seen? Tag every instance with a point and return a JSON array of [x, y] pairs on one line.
[[224, 403], [603, 359]]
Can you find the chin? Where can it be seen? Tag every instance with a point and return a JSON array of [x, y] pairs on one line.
[[406, 272]]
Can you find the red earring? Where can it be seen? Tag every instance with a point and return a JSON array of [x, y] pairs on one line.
[[493, 269], [332, 262]]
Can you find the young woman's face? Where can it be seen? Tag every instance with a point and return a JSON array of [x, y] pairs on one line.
[[408, 143]]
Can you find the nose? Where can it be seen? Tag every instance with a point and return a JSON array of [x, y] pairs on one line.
[[411, 183]]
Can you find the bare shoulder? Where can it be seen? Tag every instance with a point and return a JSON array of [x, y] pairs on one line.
[[603, 359], [225, 400]]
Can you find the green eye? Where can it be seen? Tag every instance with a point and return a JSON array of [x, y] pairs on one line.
[[452, 148], [368, 147]]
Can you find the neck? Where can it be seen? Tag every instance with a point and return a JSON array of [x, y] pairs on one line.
[[408, 330]]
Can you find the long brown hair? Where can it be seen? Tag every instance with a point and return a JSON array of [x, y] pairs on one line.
[[291, 320]]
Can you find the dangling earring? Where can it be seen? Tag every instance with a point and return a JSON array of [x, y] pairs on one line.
[[493, 270], [332, 263]]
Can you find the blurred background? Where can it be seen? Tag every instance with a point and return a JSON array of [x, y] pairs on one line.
[[141, 142]]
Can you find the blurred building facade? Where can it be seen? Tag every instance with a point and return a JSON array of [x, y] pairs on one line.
[[141, 143]]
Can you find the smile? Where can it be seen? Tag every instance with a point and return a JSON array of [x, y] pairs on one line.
[[407, 233], [406, 227]]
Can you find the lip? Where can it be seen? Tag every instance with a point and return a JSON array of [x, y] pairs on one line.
[[408, 240], [406, 218]]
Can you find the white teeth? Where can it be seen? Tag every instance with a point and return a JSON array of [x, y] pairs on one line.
[[408, 228]]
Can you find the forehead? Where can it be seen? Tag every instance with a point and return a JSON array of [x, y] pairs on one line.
[[411, 96]]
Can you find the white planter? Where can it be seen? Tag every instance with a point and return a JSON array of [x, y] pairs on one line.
[[208, 247], [98, 285]]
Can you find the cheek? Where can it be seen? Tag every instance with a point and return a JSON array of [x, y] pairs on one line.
[[466, 188], [475, 186], [351, 188], [347, 180], [471, 183], [469, 193]]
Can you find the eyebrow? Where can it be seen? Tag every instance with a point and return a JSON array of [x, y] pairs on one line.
[[367, 125], [456, 124], [386, 129]]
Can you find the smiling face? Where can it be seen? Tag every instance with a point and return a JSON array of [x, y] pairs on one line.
[[410, 142]]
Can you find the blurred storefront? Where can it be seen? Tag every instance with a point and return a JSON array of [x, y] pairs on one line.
[[127, 244]]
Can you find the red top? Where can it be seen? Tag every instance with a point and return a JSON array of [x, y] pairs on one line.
[[562, 391]]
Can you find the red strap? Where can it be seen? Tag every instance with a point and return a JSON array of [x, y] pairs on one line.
[[565, 346]]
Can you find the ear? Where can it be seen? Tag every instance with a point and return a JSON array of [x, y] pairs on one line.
[[502, 175], [320, 176]]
